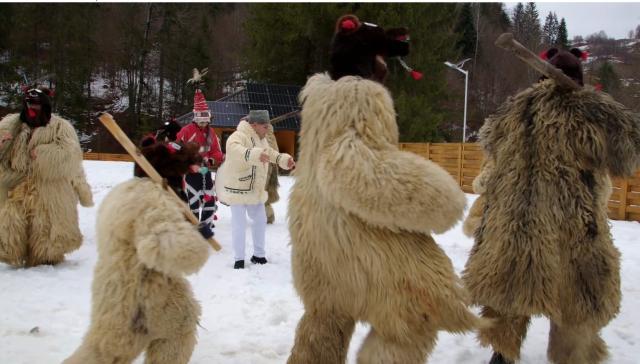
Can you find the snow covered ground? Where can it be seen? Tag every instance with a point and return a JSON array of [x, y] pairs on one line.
[[249, 316]]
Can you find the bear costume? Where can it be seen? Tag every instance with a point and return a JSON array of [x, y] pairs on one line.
[[140, 298], [41, 182], [542, 241], [361, 215]]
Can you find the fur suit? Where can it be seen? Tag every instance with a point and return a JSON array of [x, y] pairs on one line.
[[543, 245], [38, 197], [272, 179], [361, 215], [140, 298]]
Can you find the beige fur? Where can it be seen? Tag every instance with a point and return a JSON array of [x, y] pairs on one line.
[[272, 179], [543, 245], [140, 298], [38, 214], [360, 215]]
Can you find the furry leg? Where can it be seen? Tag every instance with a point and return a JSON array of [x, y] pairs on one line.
[[271, 217], [575, 344], [322, 338], [176, 350], [377, 349], [505, 335], [44, 250], [13, 234], [106, 351]]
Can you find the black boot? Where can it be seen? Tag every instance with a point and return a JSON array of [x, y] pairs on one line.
[[239, 264], [497, 358], [256, 260]]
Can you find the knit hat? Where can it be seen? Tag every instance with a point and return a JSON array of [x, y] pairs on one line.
[[568, 62], [258, 116], [201, 112], [356, 45]]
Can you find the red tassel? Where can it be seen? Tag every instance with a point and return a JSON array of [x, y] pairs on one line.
[[31, 112], [416, 75], [207, 198], [584, 55], [598, 86], [543, 55], [215, 217], [348, 24]]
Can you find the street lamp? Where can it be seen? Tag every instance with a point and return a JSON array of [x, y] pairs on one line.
[[458, 67]]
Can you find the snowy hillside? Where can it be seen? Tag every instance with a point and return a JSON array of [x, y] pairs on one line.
[[249, 316]]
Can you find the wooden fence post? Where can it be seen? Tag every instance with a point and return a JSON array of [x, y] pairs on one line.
[[622, 210], [460, 164]]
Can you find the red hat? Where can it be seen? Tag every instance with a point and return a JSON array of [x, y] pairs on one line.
[[201, 112]]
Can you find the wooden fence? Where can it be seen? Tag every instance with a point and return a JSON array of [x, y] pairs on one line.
[[463, 162], [108, 157]]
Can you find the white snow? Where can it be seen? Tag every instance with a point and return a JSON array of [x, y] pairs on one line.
[[249, 316]]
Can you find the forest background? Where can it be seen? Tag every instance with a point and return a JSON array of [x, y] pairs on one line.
[[134, 59]]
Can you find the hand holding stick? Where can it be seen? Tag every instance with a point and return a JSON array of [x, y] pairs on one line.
[[507, 42], [107, 120]]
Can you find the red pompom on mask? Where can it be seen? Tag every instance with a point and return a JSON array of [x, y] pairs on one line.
[[348, 24], [543, 55], [32, 113], [416, 75]]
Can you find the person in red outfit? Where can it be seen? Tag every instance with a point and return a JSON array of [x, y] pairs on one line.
[[199, 186]]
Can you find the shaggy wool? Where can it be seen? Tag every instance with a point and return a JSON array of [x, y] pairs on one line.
[[140, 298], [543, 245], [39, 196], [361, 215]]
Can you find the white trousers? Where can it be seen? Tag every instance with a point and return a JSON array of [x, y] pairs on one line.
[[239, 227]]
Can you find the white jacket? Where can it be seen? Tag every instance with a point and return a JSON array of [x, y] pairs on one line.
[[242, 178]]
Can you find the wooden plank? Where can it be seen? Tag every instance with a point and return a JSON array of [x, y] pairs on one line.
[[622, 213], [632, 216]]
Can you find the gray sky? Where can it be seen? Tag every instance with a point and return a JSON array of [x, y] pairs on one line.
[[616, 19]]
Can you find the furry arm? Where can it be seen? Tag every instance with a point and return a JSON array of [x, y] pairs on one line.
[[82, 188], [623, 137], [389, 188], [165, 241], [59, 158]]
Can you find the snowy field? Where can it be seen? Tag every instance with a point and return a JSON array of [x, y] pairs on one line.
[[249, 316]]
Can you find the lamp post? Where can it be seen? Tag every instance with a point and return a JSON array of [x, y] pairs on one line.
[[458, 67]]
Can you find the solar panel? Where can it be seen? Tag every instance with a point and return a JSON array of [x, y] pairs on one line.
[[278, 99]]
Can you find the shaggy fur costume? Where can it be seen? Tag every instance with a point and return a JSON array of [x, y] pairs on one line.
[[543, 245], [272, 179], [140, 298], [361, 215], [38, 197]]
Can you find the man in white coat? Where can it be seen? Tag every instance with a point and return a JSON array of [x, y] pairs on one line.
[[244, 180]]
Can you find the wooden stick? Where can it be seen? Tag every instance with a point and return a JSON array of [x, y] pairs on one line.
[[284, 116], [507, 42], [107, 120]]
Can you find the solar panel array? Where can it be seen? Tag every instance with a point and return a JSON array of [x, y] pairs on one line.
[[277, 99]]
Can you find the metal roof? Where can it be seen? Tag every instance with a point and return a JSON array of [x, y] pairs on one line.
[[278, 99]]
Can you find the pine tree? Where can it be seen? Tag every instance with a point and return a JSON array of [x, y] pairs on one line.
[[465, 29], [550, 30], [531, 27], [607, 77], [563, 35], [517, 21]]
